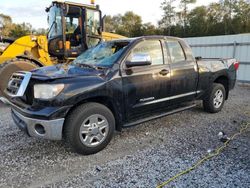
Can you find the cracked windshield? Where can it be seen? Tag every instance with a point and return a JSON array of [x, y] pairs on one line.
[[104, 54]]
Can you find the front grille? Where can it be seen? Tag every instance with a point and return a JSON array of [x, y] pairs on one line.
[[15, 83], [18, 83]]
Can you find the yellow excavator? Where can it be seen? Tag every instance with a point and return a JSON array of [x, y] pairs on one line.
[[73, 28]]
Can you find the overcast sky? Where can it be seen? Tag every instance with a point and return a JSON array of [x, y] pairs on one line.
[[33, 11]]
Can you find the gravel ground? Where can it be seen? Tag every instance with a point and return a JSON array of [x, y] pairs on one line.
[[141, 156]]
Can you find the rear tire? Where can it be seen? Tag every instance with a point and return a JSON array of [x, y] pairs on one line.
[[215, 99], [89, 128], [9, 67]]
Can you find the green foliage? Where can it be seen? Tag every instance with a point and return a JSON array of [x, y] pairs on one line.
[[129, 24], [12, 30], [19, 30], [169, 15], [5, 24], [39, 31], [241, 19], [225, 17], [198, 23]]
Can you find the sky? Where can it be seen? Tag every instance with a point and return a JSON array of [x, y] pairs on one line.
[[33, 11]]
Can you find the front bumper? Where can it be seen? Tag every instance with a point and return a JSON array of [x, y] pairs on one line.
[[51, 129], [39, 128]]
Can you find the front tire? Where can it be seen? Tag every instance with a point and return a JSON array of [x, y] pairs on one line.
[[215, 99], [89, 128]]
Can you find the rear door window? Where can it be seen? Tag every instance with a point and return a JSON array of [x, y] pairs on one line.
[[176, 52]]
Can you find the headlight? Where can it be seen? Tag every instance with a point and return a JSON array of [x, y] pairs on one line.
[[47, 91]]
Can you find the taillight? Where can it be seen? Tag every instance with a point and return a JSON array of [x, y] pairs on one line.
[[236, 65]]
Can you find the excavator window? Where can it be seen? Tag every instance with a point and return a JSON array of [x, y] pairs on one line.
[[55, 22], [73, 29], [93, 24], [74, 35]]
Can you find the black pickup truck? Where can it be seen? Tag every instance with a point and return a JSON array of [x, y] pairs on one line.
[[114, 85]]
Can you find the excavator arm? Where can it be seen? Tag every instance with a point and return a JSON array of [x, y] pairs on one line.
[[35, 46]]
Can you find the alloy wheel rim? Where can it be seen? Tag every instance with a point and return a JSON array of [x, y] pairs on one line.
[[94, 130], [218, 98]]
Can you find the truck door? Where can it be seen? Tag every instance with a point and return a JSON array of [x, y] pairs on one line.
[[184, 73], [145, 86]]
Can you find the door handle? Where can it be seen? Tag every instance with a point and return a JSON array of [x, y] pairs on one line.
[[164, 72]]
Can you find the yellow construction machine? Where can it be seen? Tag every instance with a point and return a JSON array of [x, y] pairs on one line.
[[73, 28]]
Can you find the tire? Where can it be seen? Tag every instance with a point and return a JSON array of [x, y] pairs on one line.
[[85, 123], [211, 103], [9, 67]]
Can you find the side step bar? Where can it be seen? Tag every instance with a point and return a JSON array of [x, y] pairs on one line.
[[159, 116]]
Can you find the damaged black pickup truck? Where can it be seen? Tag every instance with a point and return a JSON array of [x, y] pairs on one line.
[[114, 85]]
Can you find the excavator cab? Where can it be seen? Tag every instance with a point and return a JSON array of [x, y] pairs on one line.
[[73, 28]]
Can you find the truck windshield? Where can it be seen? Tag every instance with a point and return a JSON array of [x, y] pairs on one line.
[[104, 54], [55, 22]]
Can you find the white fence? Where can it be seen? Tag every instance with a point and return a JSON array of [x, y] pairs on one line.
[[227, 46]]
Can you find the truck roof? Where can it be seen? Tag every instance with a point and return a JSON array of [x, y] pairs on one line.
[[147, 37]]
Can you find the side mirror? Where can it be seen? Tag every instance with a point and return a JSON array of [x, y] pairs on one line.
[[139, 60]]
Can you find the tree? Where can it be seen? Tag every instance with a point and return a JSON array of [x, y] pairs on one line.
[[5, 25], [241, 20], [184, 4], [150, 29], [39, 31], [20, 30], [227, 14], [112, 23], [9, 29], [168, 15], [129, 24], [198, 21]]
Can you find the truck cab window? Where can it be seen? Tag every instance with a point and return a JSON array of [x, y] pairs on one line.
[[151, 48], [176, 52]]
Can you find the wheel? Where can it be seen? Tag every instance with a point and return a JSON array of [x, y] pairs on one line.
[[89, 128], [216, 98], [9, 67]]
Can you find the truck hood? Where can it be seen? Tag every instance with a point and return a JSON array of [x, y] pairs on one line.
[[64, 71]]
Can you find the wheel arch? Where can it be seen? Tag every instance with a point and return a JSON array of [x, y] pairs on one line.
[[224, 80], [106, 101], [33, 60]]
